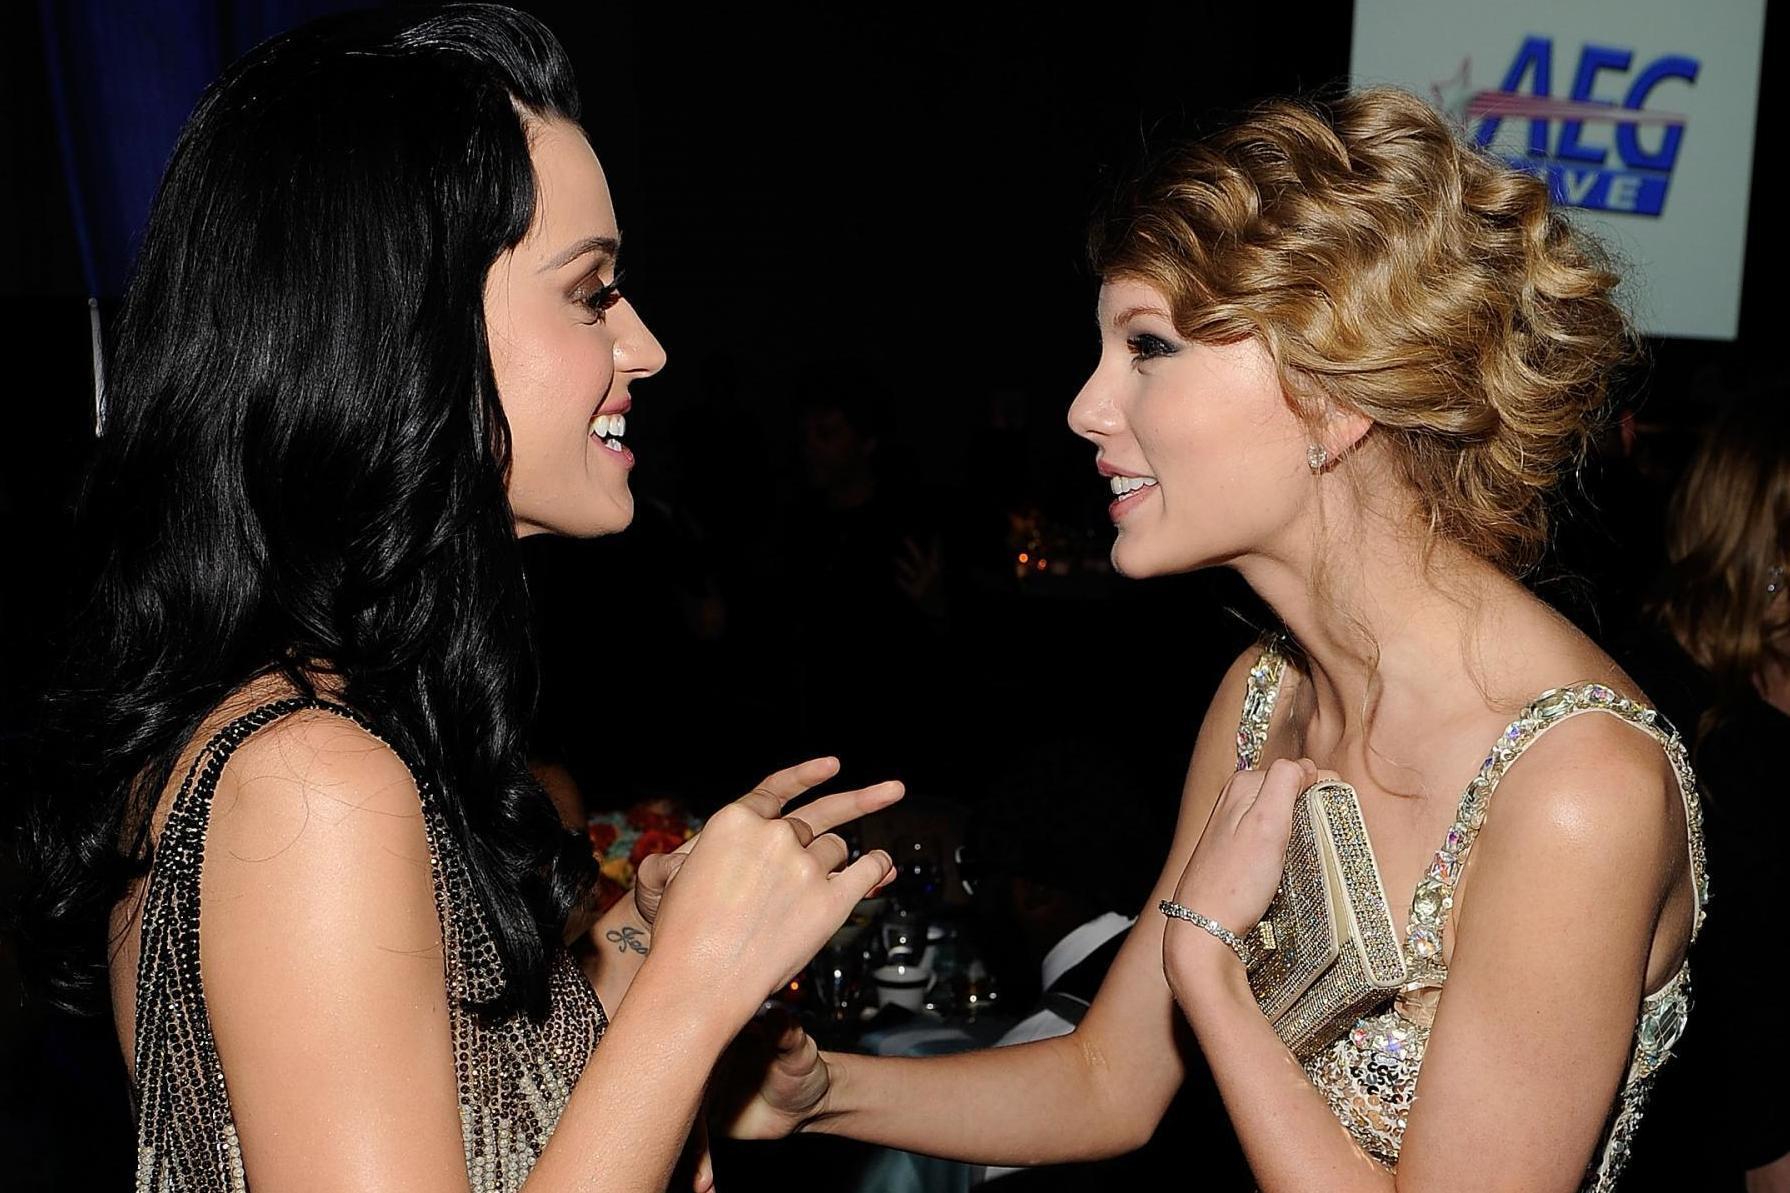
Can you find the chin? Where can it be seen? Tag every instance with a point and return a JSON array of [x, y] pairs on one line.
[[609, 517], [1132, 562], [617, 518], [611, 511], [1135, 561]]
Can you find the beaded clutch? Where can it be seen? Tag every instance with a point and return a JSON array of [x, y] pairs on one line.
[[1327, 951]]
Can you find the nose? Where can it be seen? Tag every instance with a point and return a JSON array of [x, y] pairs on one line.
[[638, 352], [1094, 414]]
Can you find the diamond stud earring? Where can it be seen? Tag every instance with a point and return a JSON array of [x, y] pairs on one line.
[[1774, 579], [1316, 457]]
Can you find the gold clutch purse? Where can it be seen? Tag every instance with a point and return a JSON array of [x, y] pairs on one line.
[[1327, 951]]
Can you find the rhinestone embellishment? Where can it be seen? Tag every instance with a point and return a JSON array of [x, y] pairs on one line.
[[514, 1076], [1369, 1074], [1424, 942], [1263, 689]]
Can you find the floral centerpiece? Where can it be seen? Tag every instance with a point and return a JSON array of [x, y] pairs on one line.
[[621, 840]]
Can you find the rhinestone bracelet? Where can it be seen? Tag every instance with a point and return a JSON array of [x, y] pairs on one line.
[[1176, 912]]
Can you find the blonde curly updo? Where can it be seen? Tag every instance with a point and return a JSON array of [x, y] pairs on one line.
[[1397, 271]]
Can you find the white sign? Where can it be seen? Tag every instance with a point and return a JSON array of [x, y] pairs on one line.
[[1639, 113]]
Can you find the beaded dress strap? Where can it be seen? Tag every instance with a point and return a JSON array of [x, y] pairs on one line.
[[183, 837], [1261, 690], [175, 1055], [484, 977], [1434, 896]]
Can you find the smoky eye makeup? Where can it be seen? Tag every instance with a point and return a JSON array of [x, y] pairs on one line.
[[1132, 326], [1146, 346]]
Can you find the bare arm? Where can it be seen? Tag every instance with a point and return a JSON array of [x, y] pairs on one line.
[[1569, 879], [323, 971], [1097, 1092], [614, 949]]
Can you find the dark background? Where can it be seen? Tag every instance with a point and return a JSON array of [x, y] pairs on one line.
[[890, 205]]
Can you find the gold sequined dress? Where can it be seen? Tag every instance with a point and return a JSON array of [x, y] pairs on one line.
[[1369, 1075], [513, 1075]]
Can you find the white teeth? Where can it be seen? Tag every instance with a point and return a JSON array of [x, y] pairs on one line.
[[1122, 485], [599, 426], [618, 425], [609, 426]]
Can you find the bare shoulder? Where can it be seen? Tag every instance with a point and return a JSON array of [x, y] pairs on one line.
[[314, 773], [322, 963], [315, 820], [1593, 783]]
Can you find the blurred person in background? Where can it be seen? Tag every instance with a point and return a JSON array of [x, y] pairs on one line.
[[868, 588], [1714, 649]]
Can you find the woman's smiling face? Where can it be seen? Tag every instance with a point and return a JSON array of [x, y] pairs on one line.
[[1206, 458], [566, 346]]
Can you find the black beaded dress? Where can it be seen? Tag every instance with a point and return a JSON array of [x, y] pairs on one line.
[[513, 1075]]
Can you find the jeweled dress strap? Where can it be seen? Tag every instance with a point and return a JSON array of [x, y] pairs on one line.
[[180, 1088], [180, 854], [1434, 896], [1261, 690]]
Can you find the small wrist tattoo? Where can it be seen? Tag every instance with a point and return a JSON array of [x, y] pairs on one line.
[[627, 937]]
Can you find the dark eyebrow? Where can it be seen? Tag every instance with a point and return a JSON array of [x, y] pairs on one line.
[[608, 246]]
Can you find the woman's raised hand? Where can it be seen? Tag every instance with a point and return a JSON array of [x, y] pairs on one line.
[[1234, 871], [823, 815], [759, 891]]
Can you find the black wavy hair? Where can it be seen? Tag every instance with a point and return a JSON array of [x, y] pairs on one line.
[[303, 460]]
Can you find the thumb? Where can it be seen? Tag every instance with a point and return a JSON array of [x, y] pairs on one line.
[[658, 869], [654, 874], [1281, 787]]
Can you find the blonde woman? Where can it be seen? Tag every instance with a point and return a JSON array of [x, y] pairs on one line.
[[1352, 358]]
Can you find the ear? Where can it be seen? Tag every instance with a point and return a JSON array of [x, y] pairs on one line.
[[1341, 429], [1331, 425]]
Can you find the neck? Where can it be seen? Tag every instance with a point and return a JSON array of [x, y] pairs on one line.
[[1391, 629]]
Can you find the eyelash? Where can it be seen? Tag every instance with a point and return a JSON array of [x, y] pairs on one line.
[[603, 297], [1149, 347]]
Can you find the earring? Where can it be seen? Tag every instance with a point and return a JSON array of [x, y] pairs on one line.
[[1774, 579], [1316, 457]]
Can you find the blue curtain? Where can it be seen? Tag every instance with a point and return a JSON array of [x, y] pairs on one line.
[[123, 78]]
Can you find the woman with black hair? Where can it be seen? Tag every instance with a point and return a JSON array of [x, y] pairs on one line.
[[374, 335]]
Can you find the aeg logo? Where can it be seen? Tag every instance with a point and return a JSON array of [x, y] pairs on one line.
[[1576, 162]]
